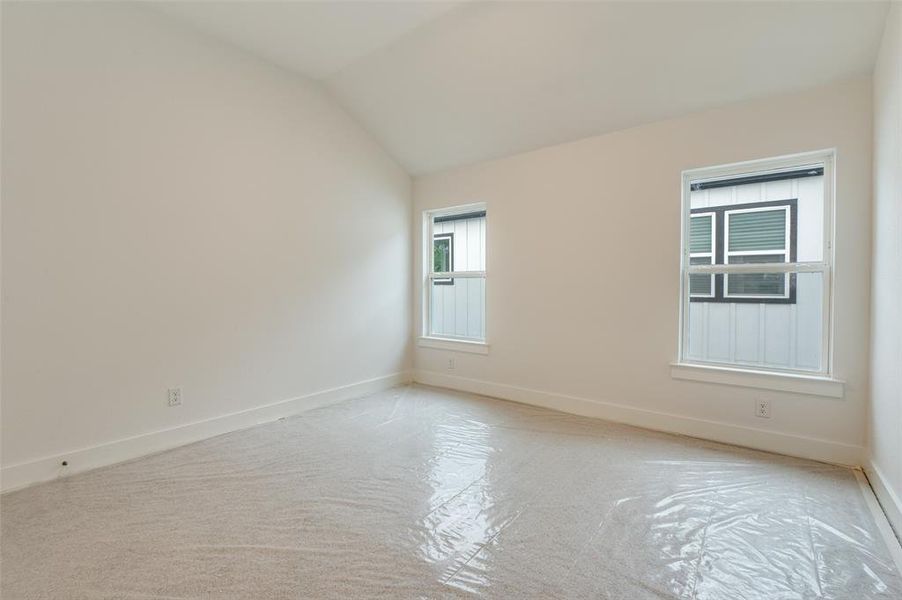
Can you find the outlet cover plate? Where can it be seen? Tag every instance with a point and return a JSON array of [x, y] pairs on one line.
[[174, 396]]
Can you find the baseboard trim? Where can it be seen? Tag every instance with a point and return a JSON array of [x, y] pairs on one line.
[[737, 435], [28, 473], [889, 501]]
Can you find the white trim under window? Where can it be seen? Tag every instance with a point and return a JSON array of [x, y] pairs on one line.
[[797, 383], [456, 345], [742, 173]]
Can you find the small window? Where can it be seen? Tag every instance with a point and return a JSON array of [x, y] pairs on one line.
[[443, 256], [702, 238], [756, 265], [454, 285]]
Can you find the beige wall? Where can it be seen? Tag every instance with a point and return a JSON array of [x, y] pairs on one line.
[[583, 257], [886, 303], [176, 212]]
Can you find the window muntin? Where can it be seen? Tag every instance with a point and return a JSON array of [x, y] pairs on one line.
[[772, 285], [454, 283]]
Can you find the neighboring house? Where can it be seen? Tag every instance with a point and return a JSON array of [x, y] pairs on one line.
[[772, 320]]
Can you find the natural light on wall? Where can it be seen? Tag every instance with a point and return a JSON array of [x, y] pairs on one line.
[[454, 244], [756, 265]]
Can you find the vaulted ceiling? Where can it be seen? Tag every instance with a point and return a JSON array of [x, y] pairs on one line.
[[441, 84]]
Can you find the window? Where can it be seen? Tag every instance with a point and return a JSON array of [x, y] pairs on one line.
[[701, 252], [759, 233], [454, 282], [443, 256], [756, 265]]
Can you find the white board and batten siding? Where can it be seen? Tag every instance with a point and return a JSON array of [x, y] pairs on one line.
[[458, 309], [786, 336]]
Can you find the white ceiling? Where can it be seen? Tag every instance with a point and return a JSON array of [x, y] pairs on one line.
[[313, 38], [445, 84]]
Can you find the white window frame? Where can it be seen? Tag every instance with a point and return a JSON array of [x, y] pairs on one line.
[[447, 342], [787, 237], [825, 158], [710, 254]]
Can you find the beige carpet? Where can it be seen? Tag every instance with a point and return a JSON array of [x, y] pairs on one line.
[[420, 493]]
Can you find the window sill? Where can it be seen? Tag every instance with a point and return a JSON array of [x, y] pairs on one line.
[[814, 385], [454, 345]]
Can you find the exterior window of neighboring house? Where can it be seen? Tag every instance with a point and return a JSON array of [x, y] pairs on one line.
[[756, 264], [701, 252], [443, 256], [759, 233], [454, 282]]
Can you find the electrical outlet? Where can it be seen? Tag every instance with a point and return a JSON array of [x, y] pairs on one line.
[[762, 408], [174, 397], [450, 364]]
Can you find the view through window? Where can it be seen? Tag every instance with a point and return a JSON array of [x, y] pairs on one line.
[[455, 282], [756, 266]]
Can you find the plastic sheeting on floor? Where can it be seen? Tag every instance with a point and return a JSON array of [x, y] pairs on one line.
[[422, 493]]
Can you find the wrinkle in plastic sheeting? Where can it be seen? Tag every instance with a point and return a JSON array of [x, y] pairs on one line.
[[421, 493]]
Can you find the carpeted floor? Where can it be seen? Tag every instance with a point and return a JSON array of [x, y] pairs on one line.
[[422, 493]]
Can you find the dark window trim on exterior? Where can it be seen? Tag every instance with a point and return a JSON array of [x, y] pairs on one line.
[[720, 251], [450, 238], [762, 178], [460, 217]]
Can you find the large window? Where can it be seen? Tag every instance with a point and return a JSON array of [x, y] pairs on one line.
[[756, 265], [454, 282]]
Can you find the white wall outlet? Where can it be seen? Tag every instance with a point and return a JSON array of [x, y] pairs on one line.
[[450, 364], [174, 397], [762, 408]]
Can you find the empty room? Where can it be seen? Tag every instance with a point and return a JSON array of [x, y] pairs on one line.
[[411, 299]]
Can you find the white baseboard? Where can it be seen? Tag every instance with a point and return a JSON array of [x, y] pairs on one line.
[[737, 435], [43, 469], [889, 500]]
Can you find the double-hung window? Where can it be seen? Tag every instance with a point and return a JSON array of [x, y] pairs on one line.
[[756, 265], [454, 278]]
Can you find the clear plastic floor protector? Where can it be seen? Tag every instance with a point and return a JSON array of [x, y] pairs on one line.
[[424, 493]]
